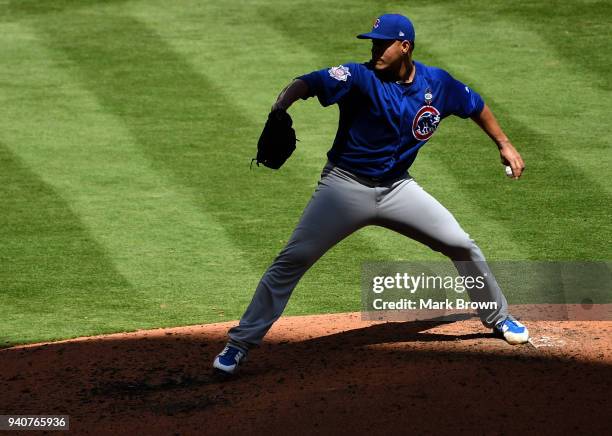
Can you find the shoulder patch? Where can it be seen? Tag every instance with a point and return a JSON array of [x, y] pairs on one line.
[[340, 73]]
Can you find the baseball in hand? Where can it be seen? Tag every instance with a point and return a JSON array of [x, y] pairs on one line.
[[509, 171]]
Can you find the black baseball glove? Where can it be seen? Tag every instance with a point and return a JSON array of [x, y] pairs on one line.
[[277, 140]]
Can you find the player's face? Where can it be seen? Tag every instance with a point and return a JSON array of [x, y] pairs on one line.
[[386, 54]]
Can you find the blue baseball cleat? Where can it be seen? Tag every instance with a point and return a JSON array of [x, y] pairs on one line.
[[512, 331], [228, 360]]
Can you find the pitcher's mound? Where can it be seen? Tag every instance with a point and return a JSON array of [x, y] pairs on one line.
[[330, 374]]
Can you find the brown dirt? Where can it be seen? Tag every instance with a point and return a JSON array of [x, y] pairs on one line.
[[322, 374]]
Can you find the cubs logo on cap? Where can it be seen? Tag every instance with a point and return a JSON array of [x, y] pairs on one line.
[[390, 26]]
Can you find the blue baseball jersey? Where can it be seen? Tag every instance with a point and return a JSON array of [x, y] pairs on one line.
[[383, 124]]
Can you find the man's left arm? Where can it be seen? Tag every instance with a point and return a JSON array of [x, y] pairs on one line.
[[509, 156]]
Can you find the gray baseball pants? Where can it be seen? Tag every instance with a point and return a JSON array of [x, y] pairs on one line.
[[342, 204]]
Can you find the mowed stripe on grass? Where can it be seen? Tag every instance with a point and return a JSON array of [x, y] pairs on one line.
[[40, 289], [168, 249]]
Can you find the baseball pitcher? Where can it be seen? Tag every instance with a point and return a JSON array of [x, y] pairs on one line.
[[389, 108]]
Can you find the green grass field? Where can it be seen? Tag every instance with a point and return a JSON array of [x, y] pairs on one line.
[[127, 130]]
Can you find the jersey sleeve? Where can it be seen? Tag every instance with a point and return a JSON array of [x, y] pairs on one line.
[[331, 84], [463, 101]]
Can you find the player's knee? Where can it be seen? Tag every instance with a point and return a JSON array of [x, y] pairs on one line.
[[302, 255], [460, 247]]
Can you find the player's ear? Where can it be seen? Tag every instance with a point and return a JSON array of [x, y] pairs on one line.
[[407, 47]]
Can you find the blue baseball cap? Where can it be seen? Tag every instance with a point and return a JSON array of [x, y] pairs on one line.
[[391, 26]]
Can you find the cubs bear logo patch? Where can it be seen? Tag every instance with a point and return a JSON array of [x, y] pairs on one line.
[[425, 122]]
